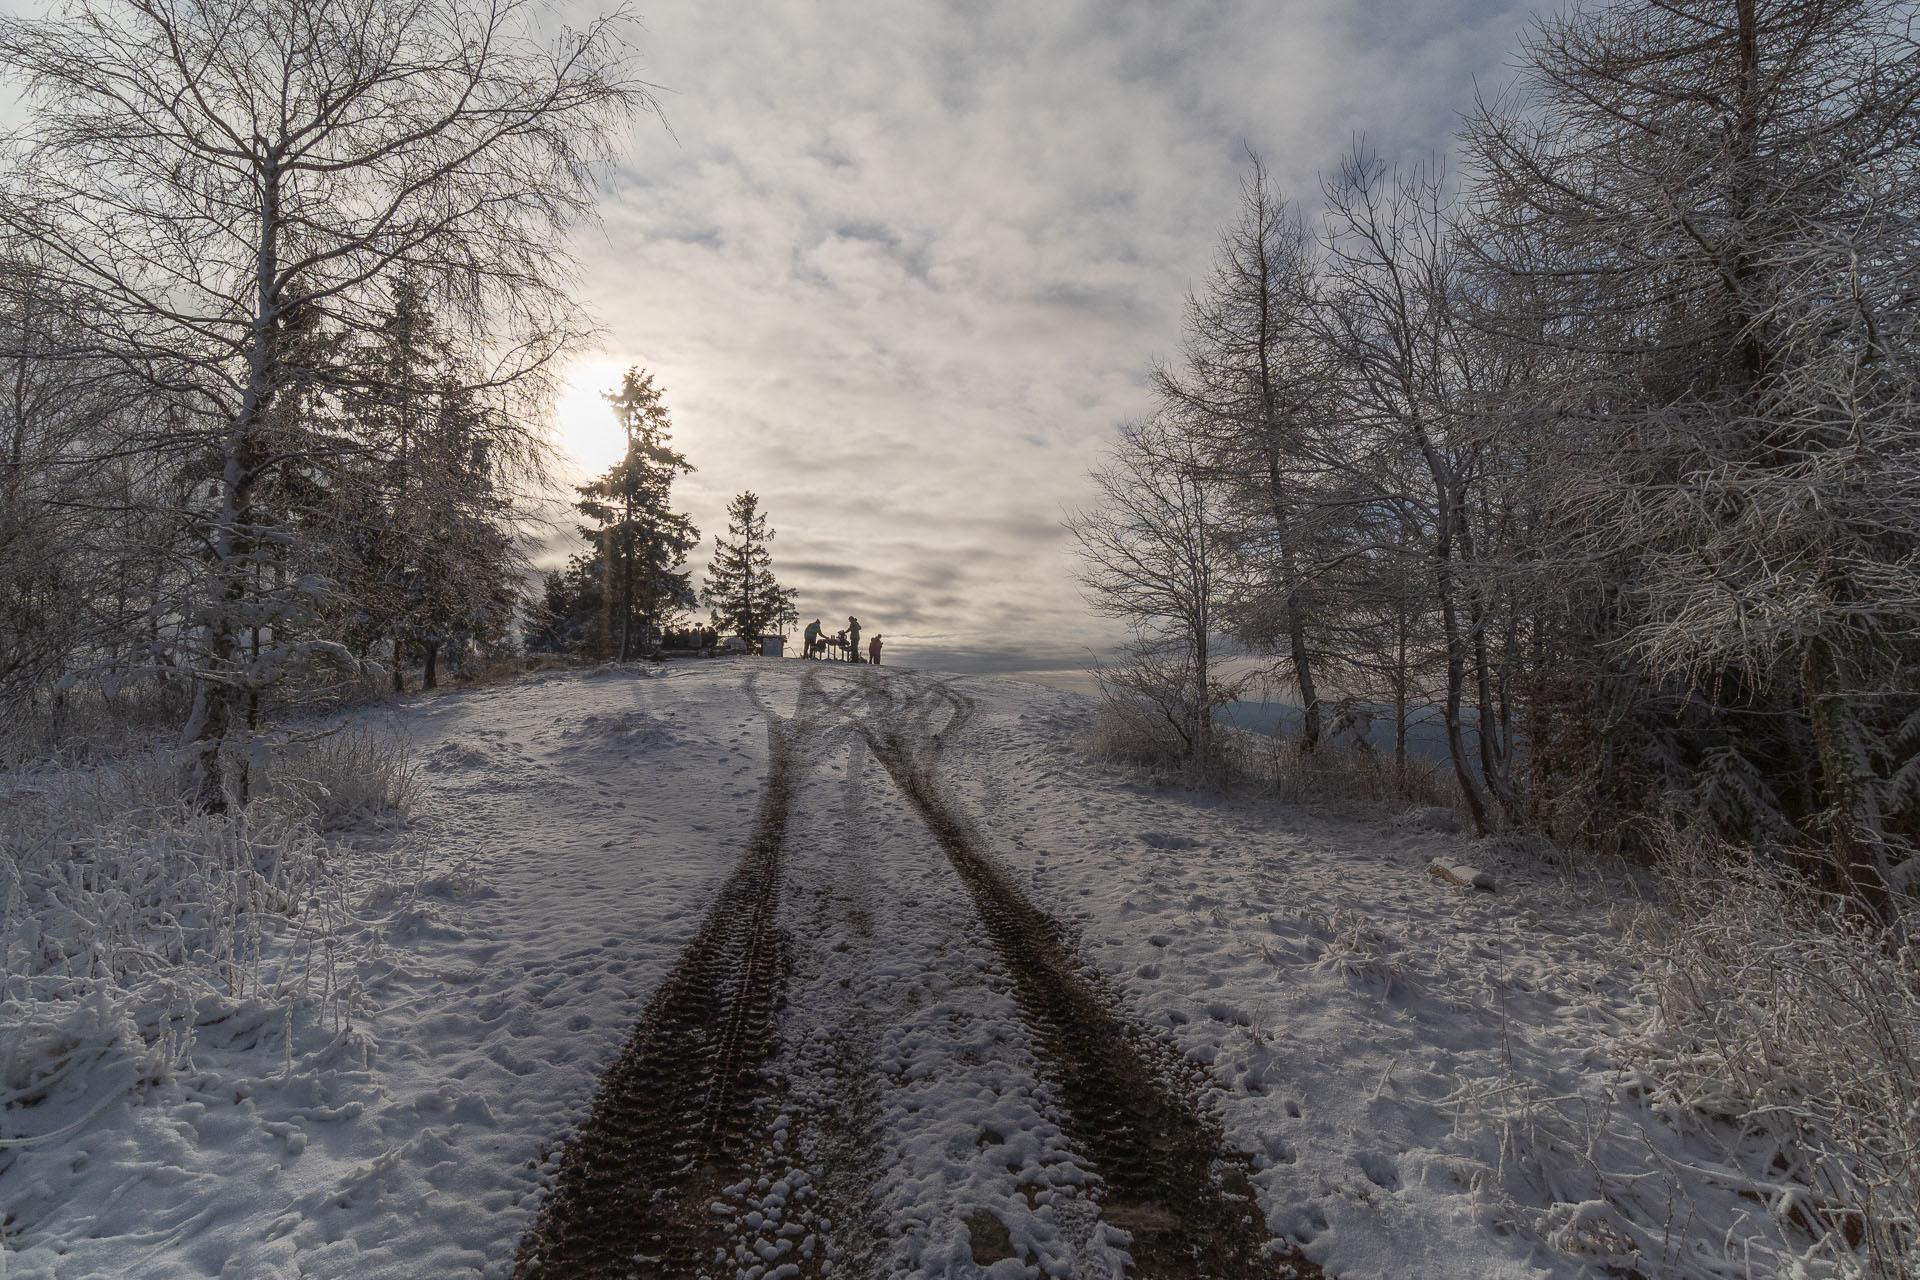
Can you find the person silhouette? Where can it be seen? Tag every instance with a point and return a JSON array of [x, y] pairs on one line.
[[812, 639], [853, 639], [873, 649]]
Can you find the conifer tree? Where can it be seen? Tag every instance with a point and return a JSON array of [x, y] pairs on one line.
[[741, 590], [422, 497], [637, 536], [1702, 218], [571, 615]]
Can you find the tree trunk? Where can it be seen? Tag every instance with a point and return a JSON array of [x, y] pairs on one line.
[[1303, 676], [220, 691], [253, 689], [1493, 754], [430, 665], [1447, 522], [1853, 856], [216, 699], [1456, 671], [1741, 197], [627, 554], [1203, 622], [1310, 717], [1400, 700]]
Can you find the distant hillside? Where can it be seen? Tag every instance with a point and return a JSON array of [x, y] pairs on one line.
[[1426, 738]]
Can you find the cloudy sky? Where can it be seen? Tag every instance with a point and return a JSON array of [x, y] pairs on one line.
[[903, 266]]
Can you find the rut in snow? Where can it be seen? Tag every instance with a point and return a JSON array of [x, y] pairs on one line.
[[1135, 1104], [675, 1120]]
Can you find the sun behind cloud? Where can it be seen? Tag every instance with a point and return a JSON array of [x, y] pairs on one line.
[[584, 427]]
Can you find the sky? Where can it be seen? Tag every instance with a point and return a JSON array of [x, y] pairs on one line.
[[903, 268]]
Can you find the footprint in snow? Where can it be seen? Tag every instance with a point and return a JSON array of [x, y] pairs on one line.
[[1381, 1169]]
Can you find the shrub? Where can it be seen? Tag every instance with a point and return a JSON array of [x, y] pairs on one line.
[[1798, 1012], [349, 778], [130, 919], [1764, 1121]]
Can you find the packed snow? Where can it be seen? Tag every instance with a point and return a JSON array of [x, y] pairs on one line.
[[1412, 1065]]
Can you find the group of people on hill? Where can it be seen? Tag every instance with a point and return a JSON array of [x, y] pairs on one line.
[[844, 646]]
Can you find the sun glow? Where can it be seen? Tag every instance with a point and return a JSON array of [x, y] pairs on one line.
[[584, 425]]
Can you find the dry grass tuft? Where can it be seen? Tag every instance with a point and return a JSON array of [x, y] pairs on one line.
[[350, 778]]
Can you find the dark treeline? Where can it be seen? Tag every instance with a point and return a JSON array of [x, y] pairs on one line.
[[1601, 441]]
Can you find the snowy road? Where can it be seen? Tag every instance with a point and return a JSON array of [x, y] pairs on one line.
[[766, 969], [693, 1163]]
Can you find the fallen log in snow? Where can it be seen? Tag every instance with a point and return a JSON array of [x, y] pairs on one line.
[[1459, 873]]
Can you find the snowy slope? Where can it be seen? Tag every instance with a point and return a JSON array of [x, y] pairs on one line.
[[1364, 1025], [571, 830]]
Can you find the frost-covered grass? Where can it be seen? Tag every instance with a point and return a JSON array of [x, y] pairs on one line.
[[91, 723], [129, 918], [1764, 1119], [348, 778]]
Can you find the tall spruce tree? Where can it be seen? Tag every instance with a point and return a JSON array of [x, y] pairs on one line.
[[638, 538], [418, 506], [741, 590]]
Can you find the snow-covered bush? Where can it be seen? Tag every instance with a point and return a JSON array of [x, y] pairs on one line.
[[1139, 733], [348, 778], [111, 879], [1799, 1014]]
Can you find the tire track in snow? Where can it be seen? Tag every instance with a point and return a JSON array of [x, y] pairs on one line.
[[915, 1112], [1135, 1105], [675, 1122]]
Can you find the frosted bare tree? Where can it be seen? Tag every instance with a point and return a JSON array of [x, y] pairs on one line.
[[1251, 383], [1412, 380], [82, 559], [207, 170], [1150, 557]]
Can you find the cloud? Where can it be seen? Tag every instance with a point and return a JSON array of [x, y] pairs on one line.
[[903, 268], [817, 569]]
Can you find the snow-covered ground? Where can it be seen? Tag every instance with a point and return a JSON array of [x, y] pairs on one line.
[[1403, 1061]]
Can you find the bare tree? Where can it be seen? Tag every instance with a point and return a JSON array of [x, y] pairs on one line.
[[206, 170], [82, 560], [1251, 383], [1150, 558], [1410, 379]]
